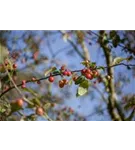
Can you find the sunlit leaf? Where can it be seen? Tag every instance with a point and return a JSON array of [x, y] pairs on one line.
[[101, 67], [83, 88], [70, 82], [118, 60], [36, 101], [2, 109], [30, 91], [47, 106], [84, 63], [93, 64], [49, 71]]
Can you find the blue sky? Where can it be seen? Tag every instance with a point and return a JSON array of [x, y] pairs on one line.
[[73, 61]]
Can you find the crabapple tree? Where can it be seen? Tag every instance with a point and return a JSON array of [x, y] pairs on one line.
[[67, 75]]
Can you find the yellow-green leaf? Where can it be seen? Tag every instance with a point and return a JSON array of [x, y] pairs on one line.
[[117, 60], [49, 71], [47, 106], [83, 88]]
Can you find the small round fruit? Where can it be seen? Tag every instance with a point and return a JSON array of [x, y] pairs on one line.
[[88, 76], [14, 66], [65, 73], [20, 102], [23, 86], [51, 79], [83, 71], [74, 78], [65, 81], [61, 84], [23, 81], [69, 73], [39, 111], [88, 71], [95, 73]]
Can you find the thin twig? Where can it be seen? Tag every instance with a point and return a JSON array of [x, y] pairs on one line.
[[120, 45], [44, 78], [15, 86], [74, 46]]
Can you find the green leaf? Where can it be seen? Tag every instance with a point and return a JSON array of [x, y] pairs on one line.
[[31, 117], [2, 109], [93, 64], [36, 101], [83, 88], [105, 80], [70, 82], [79, 80], [3, 53], [56, 72], [15, 107], [117, 60], [30, 105], [47, 106], [129, 105], [49, 71], [31, 91], [101, 67], [112, 34], [84, 63]]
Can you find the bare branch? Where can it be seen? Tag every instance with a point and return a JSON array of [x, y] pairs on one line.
[[74, 46]]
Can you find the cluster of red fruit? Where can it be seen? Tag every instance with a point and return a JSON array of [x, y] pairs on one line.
[[89, 73], [63, 82], [65, 71]]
